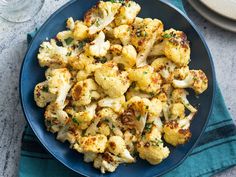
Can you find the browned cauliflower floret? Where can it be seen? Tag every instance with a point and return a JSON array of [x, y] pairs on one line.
[[128, 57], [123, 33], [127, 13], [177, 110], [96, 144], [196, 79], [101, 15], [83, 118], [175, 46], [117, 104], [135, 114], [177, 131], [55, 117], [99, 46], [151, 147], [81, 61], [114, 83], [180, 96], [80, 30], [51, 55], [59, 84], [146, 79], [143, 37], [42, 96], [116, 145], [84, 91]]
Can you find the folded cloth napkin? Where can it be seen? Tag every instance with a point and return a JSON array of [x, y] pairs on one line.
[[215, 152]]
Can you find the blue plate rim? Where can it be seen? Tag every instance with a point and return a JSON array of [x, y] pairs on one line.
[[213, 85]]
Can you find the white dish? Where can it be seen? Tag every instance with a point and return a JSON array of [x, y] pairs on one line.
[[226, 8], [213, 17]]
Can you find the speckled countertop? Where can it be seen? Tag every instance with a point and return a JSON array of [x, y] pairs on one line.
[[12, 49]]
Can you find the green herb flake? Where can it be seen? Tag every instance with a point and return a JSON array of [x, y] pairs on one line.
[[69, 54], [75, 120], [148, 127], [167, 35], [138, 117], [97, 23], [45, 88], [145, 72], [69, 40], [81, 44]]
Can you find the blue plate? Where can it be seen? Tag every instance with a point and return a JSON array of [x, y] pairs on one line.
[[31, 74]]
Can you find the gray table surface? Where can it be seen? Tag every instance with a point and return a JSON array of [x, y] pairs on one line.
[[12, 49]]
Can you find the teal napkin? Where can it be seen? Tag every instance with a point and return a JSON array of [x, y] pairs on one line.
[[215, 152]]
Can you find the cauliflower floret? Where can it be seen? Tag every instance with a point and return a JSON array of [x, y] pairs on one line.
[[116, 49], [81, 61], [84, 91], [146, 79], [155, 108], [42, 96], [127, 13], [59, 84], [152, 148], [116, 145], [132, 92], [65, 37], [99, 46], [70, 23], [143, 37], [108, 162], [175, 46], [177, 110], [135, 115], [95, 144], [51, 55], [83, 118], [177, 131], [101, 15], [165, 67], [55, 117], [115, 84], [123, 33], [89, 156], [80, 31], [104, 129], [114, 103], [109, 117], [196, 79], [180, 96], [87, 71], [128, 56]]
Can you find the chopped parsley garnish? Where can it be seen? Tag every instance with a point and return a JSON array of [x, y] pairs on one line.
[[167, 35], [101, 60], [69, 53], [145, 72], [97, 23], [68, 40], [148, 127], [81, 44], [45, 88], [118, 1], [156, 143], [138, 117], [75, 120]]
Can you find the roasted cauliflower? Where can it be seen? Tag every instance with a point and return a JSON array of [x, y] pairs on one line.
[[174, 46], [177, 131], [115, 86]]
